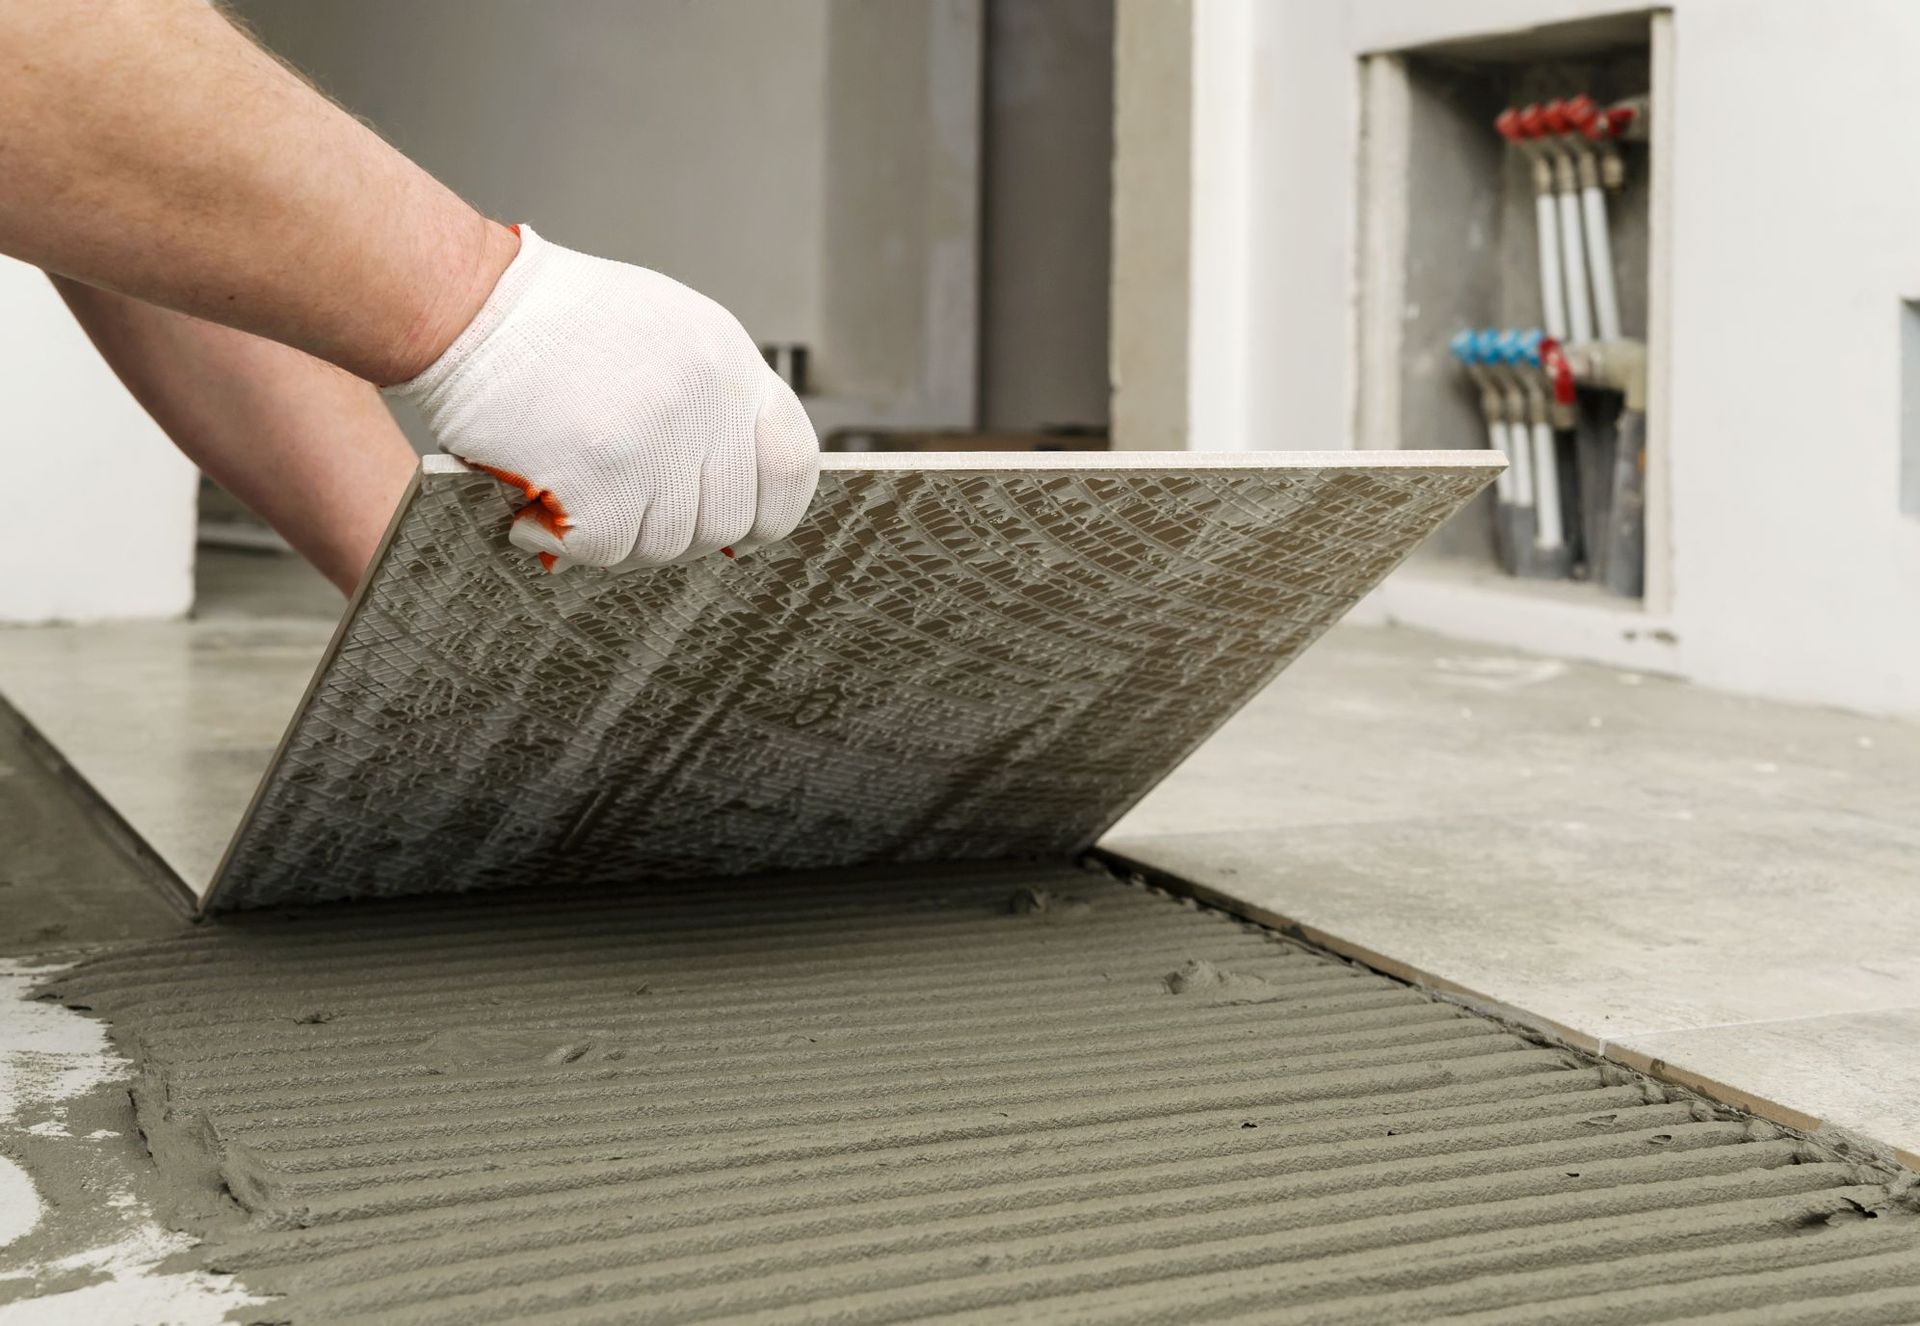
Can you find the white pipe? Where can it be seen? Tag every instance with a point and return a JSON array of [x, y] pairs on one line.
[[1548, 535], [1520, 469], [1553, 309], [1606, 302], [1579, 314], [1497, 440]]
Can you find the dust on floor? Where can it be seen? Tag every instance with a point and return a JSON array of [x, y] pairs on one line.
[[982, 1095]]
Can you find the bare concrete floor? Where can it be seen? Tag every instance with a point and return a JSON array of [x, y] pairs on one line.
[[1653, 871]]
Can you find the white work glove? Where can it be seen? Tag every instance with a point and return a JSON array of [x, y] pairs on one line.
[[636, 414]]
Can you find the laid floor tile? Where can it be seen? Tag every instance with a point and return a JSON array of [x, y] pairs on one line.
[[1856, 1071]]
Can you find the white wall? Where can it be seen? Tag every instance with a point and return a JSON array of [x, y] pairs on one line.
[[1793, 572], [1200, 173], [101, 518], [1152, 218], [1220, 220]]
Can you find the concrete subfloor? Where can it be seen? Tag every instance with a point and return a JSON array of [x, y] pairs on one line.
[[980, 1094], [1653, 871]]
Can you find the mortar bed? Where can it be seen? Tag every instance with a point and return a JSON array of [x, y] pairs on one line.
[[973, 1094]]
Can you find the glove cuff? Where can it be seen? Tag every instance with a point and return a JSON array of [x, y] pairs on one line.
[[430, 385]]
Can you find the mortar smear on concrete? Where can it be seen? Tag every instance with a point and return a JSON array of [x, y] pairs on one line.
[[871, 1099]]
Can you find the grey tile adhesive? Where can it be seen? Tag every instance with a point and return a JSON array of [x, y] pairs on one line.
[[986, 1095], [955, 657]]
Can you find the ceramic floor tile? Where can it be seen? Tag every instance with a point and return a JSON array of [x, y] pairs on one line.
[[1858, 1071], [1617, 857], [1608, 929], [1381, 724], [172, 723]]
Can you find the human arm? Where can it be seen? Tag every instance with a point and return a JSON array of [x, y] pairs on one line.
[[152, 150], [307, 446]]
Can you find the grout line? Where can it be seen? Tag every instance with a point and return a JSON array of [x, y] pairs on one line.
[[1905, 1006]]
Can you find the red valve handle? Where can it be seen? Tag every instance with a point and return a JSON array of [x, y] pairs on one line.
[[1554, 360], [1610, 123]]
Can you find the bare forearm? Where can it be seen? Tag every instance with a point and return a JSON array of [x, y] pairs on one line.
[[308, 447], [148, 149], [151, 149]]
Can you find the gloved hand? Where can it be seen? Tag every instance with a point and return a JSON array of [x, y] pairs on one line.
[[636, 414]]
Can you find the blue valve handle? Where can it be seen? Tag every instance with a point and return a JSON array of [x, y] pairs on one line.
[[1494, 345]]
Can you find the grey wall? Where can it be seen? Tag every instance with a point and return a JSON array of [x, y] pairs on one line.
[[1046, 220], [812, 164], [902, 203], [653, 132]]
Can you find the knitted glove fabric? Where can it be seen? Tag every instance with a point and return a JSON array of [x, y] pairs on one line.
[[635, 414]]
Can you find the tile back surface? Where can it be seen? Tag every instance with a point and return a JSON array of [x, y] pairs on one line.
[[947, 661]]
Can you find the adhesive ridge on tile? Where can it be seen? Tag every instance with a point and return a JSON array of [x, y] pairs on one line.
[[953, 658]]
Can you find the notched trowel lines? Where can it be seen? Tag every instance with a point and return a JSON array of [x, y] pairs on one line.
[[873, 1099], [1049, 907], [1201, 978]]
